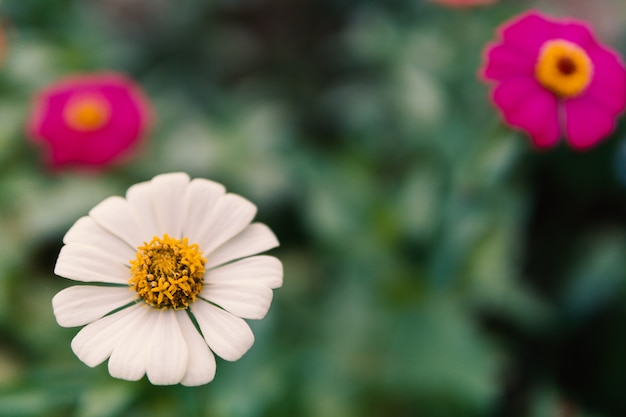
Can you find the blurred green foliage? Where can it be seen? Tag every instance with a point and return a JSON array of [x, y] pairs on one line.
[[435, 264]]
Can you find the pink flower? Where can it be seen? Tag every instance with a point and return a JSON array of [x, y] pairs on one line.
[[89, 120], [463, 3], [553, 78]]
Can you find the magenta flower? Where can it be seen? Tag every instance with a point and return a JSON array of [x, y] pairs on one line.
[[89, 120], [553, 79]]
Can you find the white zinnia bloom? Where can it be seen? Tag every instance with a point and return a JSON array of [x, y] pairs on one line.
[[173, 249]]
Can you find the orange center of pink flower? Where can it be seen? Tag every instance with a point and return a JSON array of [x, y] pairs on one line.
[[563, 68], [87, 113]]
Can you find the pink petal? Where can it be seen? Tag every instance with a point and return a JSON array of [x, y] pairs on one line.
[[528, 32], [577, 32], [503, 62], [608, 86], [125, 127], [586, 123], [525, 104]]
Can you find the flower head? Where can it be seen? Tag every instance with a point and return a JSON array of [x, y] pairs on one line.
[[171, 272], [89, 120], [553, 78]]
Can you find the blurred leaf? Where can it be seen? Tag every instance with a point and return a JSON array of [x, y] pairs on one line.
[[105, 400], [438, 357], [597, 275]]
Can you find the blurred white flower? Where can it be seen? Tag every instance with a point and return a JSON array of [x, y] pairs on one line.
[[171, 276]]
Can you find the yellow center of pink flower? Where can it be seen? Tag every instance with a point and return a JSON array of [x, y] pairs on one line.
[[87, 113], [563, 68], [167, 273]]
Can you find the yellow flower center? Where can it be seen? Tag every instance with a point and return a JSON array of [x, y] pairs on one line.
[[564, 68], [167, 272], [87, 113]]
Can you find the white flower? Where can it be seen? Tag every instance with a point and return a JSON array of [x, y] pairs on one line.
[[171, 252]]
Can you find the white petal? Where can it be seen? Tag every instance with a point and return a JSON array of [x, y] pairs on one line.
[[231, 215], [90, 264], [255, 238], [168, 199], [256, 270], [200, 200], [95, 342], [79, 305], [168, 355], [139, 196], [228, 336], [128, 359], [117, 216], [88, 232], [201, 366], [245, 301]]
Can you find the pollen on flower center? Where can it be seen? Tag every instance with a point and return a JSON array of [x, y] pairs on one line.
[[167, 272], [86, 113], [564, 68]]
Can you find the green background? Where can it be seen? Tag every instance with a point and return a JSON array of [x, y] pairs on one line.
[[436, 265]]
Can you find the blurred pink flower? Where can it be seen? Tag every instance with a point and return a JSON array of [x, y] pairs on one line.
[[3, 45], [89, 120], [463, 3], [553, 79]]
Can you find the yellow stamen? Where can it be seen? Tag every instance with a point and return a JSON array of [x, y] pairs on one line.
[[87, 113], [564, 68], [167, 272]]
